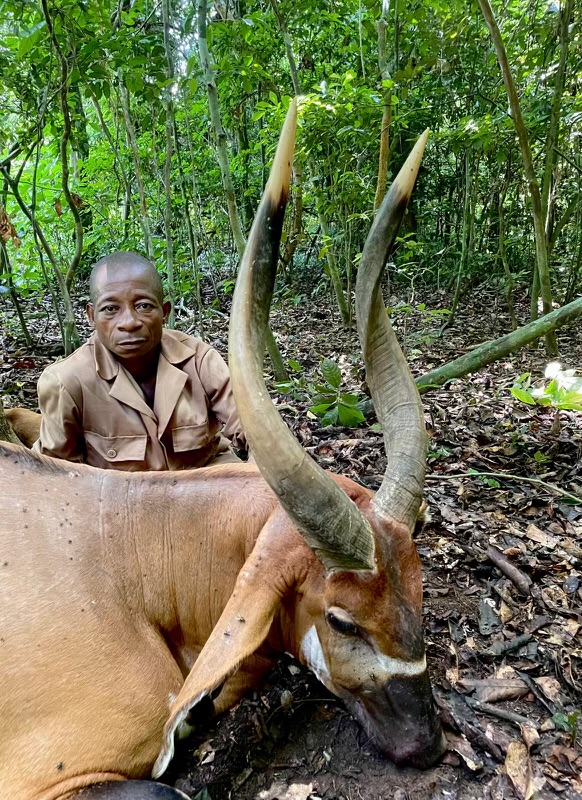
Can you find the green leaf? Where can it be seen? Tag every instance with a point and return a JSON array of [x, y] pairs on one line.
[[320, 408], [331, 372], [349, 399], [295, 365], [350, 415], [324, 398], [27, 43], [522, 395], [331, 417]]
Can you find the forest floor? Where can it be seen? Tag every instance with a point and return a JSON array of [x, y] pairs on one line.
[[504, 646]]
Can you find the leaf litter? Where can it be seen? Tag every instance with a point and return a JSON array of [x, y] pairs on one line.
[[502, 563]]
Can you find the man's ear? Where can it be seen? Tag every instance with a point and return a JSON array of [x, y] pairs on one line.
[[90, 313], [166, 307]]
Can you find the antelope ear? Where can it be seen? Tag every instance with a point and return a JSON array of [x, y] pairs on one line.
[[241, 629]]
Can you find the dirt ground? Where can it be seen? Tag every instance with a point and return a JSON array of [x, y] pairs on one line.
[[504, 646]]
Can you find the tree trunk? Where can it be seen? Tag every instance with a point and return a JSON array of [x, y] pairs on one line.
[[503, 256], [332, 267], [190, 227], [130, 131], [542, 267], [129, 201], [220, 135], [170, 125], [384, 157], [6, 268], [294, 236], [554, 127], [465, 245]]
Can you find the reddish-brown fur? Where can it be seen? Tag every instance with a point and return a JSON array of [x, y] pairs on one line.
[[113, 584], [25, 424]]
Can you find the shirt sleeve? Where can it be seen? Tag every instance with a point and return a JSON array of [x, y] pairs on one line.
[[61, 431], [215, 379]]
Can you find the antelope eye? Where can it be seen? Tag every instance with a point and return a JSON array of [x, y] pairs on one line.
[[342, 625]]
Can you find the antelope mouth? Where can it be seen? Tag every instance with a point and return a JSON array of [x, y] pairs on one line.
[[402, 721]]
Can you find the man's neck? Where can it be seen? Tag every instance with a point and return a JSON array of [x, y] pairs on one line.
[[143, 369]]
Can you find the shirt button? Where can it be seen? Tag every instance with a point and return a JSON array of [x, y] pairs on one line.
[[111, 453]]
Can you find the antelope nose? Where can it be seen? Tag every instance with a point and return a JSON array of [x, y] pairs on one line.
[[418, 737]]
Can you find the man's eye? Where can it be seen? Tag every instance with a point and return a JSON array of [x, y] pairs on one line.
[[342, 625], [109, 309], [144, 306]]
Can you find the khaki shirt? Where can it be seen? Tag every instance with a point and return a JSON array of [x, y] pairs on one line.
[[93, 410]]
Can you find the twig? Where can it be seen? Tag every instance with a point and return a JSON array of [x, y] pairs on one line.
[[501, 648], [504, 475], [515, 575], [487, 708]]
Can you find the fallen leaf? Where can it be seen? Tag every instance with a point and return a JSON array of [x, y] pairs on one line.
[[545, 539], [282, 791], [491, 690], [461, 746], [518, 768], [550, 687], [529, 735]]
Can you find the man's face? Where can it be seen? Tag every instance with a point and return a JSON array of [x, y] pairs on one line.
[[127, 313]]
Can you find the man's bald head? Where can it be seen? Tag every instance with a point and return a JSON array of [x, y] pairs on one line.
[[123, 266]]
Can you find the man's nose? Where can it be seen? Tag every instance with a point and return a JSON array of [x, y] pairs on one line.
[[129, 320]]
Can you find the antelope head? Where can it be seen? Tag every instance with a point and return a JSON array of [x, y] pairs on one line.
[[349, 593], [359, 626]]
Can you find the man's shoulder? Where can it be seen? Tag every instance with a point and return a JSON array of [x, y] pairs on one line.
[[181, 346], [74, 365]]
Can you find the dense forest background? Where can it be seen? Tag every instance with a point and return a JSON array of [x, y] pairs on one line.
[[151, 125]]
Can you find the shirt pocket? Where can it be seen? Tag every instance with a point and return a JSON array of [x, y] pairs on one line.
[[117, 448], [190, 437]]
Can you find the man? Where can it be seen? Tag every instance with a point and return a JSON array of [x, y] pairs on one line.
[[137, 396]]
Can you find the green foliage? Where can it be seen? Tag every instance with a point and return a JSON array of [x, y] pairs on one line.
[[561, 390], [333, 406], [296, 386], [442, 74], [569, 723], [487, 480], [328, 401]]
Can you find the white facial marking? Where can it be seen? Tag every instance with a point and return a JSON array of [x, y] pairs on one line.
[[313, 654], [397, 666]]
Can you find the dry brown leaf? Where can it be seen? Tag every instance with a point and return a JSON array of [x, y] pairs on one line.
[[550, 687], [460, 745], [491, 690], [529, 735], [506, 613], [518, 768], [545, 539], [282, 791], [7, 229]]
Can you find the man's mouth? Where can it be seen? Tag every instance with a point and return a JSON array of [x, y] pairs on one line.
[[131, 342]]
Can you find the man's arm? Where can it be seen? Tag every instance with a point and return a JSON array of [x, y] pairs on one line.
[[61, 432], [215, 378]]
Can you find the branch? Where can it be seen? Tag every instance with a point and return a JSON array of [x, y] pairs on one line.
[[499, 348], [505, 476], [64, 149]]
